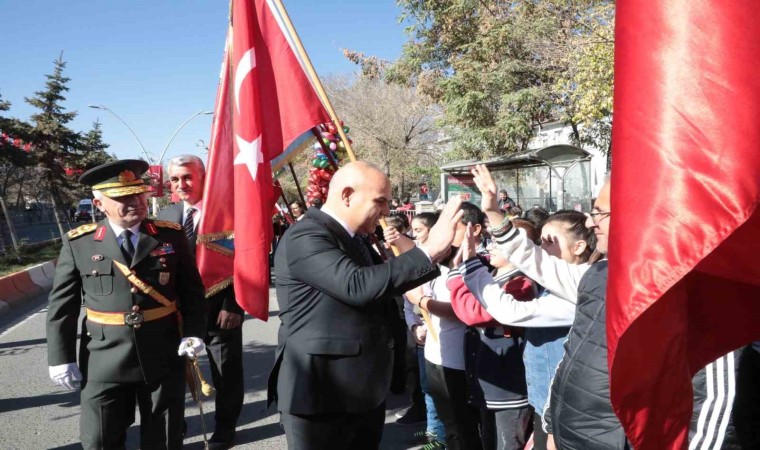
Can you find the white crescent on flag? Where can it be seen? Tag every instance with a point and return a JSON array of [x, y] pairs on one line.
[[249, 153]]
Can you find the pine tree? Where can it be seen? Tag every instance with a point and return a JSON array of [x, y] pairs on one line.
[[55, 144], [92, 153]]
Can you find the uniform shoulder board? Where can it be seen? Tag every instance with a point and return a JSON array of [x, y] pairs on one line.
[[82, 230], [167, 224]]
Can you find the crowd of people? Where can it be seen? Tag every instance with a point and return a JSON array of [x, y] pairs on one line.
[[490, 318]]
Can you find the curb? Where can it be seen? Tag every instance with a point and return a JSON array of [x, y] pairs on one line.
[[20, 287]]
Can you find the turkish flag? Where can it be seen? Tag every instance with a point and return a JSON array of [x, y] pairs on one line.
[[265, 101], [684, 277]]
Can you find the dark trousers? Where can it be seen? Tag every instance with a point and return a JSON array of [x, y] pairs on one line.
[[108, 410], [334, 431], [505, 429], [539, 435], [225, 354], [413, 376], [746, 411], [448, 387]]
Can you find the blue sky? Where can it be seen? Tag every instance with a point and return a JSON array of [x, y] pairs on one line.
[[156, 62]]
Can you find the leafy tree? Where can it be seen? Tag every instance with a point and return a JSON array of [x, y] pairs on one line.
[[55, 144], [501, 68]]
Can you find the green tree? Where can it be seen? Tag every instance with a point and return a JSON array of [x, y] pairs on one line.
[[56, 146], [91, 153], [14, 161], [501, 68]]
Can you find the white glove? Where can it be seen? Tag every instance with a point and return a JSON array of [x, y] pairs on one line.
[[191, 347], [66, 375]]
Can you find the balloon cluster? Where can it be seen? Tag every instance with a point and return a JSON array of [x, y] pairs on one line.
[[328, 154]]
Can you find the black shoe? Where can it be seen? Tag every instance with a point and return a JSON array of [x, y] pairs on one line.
[[221, 440], [414, 416]]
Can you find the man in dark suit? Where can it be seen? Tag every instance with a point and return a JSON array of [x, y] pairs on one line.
[[131, 335], [224, 340], [335, 351]]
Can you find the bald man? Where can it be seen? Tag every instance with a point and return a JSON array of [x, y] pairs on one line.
[[334, 357]]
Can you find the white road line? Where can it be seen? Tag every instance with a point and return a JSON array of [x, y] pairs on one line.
[[23, 321]]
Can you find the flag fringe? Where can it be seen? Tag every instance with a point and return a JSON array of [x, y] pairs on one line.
[[210, 237], [215, 289]]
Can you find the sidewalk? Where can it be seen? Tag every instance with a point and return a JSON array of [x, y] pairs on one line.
[[20, 287]]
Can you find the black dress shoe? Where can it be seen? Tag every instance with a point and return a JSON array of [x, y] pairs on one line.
[[221, 440]]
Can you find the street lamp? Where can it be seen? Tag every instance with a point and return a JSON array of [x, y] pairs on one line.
[[106, 108], [166, 147]]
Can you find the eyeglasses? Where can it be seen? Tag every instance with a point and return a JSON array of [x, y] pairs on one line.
[[597, 216]]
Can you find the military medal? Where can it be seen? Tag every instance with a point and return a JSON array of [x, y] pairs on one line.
[[165, 249], [97, 257], [163, 278]]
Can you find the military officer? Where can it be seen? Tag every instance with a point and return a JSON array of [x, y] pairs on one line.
[[143, 310]]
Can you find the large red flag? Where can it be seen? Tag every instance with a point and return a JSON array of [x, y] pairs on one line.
[[684, 277], [265, 102]]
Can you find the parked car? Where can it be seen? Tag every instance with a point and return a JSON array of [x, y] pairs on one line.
[[84, 212]]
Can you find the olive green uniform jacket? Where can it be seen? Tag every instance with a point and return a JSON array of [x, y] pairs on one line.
[[85, 273]]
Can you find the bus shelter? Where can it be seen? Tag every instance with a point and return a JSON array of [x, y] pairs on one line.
[[554, 177]]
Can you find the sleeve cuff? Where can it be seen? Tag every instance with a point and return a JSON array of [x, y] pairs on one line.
[[470, 265], [508, 236]]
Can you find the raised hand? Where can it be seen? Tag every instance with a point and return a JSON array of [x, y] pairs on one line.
[[442, 234], [489, 203], [469, 245], [483, 180]]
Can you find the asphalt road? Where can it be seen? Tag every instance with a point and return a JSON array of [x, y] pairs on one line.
[[36, 415]]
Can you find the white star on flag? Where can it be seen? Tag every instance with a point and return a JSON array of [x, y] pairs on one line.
[[249, 153]]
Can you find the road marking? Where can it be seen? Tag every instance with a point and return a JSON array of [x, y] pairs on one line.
[[23, 321]]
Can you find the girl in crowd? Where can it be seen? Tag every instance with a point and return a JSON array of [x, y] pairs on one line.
[[494, 354], [548, 317], [434, 432]]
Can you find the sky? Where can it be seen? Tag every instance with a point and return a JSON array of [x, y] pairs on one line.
[[155, 63]]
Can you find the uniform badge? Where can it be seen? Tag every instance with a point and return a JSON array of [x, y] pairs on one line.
[[152, 230], [163, 278], [97, 257], [100, 234]]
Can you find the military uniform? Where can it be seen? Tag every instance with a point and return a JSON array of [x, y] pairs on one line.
[[130, 335]]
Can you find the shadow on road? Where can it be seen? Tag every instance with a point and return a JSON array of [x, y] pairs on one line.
[[68, 399]]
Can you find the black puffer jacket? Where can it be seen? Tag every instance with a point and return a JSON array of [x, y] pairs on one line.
[[580, 414]]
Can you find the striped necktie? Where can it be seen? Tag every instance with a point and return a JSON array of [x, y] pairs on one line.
[[189, 224]]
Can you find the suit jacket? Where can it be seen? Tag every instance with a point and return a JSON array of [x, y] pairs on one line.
[[86, 274], [335, 343], [222, 300]]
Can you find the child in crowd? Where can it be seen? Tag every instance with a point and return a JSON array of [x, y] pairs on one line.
[[548, 317], [434, 432], [444, 357], [494, 354]]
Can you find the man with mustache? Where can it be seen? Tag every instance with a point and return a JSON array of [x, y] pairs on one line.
[[144, 309], [225, 319]]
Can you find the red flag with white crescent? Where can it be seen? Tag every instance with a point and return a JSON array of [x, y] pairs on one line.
[[270, 102]]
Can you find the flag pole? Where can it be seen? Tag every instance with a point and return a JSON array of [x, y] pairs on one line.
[[330, 110], [314, 78], [298, 186]]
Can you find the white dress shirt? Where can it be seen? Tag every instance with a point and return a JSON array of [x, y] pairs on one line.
[[196, 217], [117, 230]]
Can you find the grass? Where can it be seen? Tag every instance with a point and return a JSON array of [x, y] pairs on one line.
[[27, 257]]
